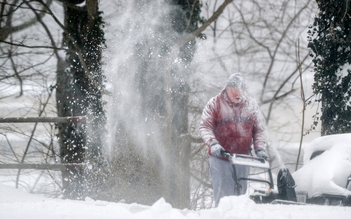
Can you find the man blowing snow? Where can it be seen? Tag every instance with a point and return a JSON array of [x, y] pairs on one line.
[[231, 121]]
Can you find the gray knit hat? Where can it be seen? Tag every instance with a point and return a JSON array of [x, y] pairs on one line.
[[236, 80]]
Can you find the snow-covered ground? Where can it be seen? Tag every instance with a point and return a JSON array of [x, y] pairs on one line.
[[18, 204]]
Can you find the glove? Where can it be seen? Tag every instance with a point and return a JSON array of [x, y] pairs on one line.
[[260, 153], [216, 150]]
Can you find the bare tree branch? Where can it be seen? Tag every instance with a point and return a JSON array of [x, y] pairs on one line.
[[31, 47], [216, 14], [8, 28]]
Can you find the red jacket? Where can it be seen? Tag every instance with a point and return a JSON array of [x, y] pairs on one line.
[[234, 126]]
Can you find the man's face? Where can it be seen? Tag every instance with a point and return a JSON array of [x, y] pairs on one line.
[[235, 94]]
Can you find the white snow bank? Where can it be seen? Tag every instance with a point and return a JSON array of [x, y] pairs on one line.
[[17, 204], [328, 172]]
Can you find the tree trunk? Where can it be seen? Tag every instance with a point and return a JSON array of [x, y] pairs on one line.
[[79, 93]]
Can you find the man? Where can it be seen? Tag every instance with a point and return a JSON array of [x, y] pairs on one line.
[[231, 121]]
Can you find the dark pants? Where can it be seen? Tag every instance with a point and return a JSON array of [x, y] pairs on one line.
[[222, 178]]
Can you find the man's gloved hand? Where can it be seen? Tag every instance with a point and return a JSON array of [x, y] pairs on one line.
[[216, 150], [261, 153]]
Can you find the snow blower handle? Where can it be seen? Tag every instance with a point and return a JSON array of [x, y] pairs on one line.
[[228, 155]]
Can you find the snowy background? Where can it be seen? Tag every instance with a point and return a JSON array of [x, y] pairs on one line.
[[20, 203]]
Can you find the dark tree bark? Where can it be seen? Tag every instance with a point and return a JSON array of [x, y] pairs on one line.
[[79, 92]]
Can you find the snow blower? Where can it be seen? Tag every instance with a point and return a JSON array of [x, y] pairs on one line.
[[285, 182]]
